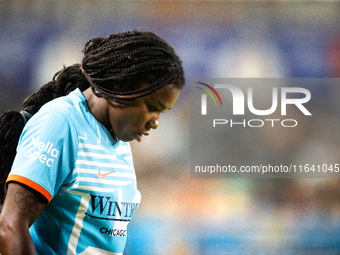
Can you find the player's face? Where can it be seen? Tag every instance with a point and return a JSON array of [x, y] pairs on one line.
[[134, 120]]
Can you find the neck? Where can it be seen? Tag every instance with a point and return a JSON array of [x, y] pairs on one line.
[[98, 107]]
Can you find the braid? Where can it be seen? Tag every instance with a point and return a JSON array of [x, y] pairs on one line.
[[11, 125], [116, 66], [12, 122], [122, 96], [64, 81]]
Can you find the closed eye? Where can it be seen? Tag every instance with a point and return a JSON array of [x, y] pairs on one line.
[[160, 108], [153, 108]]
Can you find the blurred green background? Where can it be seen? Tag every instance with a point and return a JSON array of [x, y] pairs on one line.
[[220, 39]]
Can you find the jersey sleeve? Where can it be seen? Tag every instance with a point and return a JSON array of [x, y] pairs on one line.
[[46, 152]]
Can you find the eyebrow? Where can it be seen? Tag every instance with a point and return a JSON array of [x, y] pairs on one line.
[[160, 102]]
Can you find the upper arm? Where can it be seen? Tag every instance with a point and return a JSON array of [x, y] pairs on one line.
[[21, 208], [45, 156], [22, 205]]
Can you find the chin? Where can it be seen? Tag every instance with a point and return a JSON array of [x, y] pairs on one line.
[[125, 139]]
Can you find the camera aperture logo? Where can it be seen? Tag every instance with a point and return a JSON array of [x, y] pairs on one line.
[[204, 97], [302, 96]]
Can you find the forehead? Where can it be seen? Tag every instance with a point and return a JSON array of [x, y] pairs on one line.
[[166, 96]]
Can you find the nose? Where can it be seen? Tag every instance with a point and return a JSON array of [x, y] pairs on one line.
[[154, 122]]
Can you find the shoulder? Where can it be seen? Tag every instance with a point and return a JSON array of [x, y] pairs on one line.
[[59, 117], [62, 109], [67, 104]]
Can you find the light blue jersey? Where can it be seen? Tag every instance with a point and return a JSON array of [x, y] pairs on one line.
[[89, 179]]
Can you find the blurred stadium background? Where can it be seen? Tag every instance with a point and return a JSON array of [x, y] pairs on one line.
[[180, 215]]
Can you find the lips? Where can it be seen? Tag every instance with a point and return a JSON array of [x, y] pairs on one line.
[[140, 136]]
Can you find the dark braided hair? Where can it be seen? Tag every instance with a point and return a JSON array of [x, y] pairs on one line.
[[115, 67]]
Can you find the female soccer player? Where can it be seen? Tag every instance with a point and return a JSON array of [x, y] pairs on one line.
[[72, 186]]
